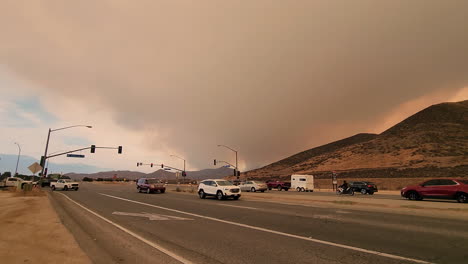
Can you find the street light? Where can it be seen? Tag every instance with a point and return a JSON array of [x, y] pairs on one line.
[[17, 161], [47, 143], [184, 164], [236, 157]]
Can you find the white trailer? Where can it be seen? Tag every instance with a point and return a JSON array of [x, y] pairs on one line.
[[302, 183]]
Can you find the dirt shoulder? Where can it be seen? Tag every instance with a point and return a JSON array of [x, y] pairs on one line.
[[31, 231]]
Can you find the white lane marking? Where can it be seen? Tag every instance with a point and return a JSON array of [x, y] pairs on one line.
[[150, 243], [342, 212], [152, 217], [278, 232], [237, 206]]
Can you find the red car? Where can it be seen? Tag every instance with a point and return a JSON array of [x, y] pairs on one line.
[[439, 189], [150, 185]]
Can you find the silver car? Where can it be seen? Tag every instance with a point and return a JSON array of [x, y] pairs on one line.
[[253, 186]]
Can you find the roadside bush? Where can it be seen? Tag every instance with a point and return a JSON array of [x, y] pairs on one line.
[[86, 179]]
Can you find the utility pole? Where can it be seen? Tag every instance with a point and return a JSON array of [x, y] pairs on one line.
[[17, 161], [235, 151]]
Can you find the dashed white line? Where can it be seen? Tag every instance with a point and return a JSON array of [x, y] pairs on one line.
[[150, 243], [278, 232]]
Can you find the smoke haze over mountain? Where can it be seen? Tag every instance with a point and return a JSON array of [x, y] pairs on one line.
[[269, 78]]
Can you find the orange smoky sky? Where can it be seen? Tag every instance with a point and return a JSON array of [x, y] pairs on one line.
[[269, 78]]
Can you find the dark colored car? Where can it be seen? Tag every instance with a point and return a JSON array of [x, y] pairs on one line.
[[279, 185], [364, 187], [150, 185], [438, 189]]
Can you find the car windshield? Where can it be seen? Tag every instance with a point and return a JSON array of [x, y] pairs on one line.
[[224, 183], [153, 181]]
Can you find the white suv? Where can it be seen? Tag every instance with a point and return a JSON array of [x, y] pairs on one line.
[[222, 189]]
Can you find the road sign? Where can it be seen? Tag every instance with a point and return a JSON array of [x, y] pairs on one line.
[[35, 168], [152, 217], [75, 156]]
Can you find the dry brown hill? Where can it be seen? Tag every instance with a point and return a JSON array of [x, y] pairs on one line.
[[432, 142]]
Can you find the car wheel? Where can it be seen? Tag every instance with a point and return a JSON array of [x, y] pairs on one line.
[[262, 191], [202, 194], [162, 191], [298, 189], [286, 189], [279, 188], [363, 191], [76, 189], [148, 190], [302, 189], [53, 188], [413, 196], [371, 193], [139, 190], [219, 195], [462, 198], [65, 188], [269, 188], [352, 192], [253, 189]]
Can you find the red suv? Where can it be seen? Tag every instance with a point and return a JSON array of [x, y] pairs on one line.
[[149, 185], [439, 189]]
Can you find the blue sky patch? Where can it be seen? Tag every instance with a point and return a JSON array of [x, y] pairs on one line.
[[27, 112]]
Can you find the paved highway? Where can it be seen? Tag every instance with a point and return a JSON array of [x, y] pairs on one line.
[[114, 223]]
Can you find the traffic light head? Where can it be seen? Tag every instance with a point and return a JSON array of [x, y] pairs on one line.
[[214, 162], [138, 164], [162, 166], [151, 165], [119, 150], [93, 148], [235, 172], [184, 174]]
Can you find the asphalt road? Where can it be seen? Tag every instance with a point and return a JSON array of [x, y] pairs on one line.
[[180, 227]]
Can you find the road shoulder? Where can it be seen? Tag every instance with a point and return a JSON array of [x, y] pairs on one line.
[[33, 233]]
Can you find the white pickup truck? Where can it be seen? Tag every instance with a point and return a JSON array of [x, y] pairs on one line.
[[14, 182], [64, 184]]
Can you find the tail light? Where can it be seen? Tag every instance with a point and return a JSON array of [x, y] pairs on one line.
[[370, 186]]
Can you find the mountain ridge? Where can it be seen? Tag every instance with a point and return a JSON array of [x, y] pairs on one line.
[[435, 137]]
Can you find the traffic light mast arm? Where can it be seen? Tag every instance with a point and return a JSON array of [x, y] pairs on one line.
[[172, 168], [71, 151], [226, 163], [67, 152]]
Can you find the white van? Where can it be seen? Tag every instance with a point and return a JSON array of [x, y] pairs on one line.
[[302, 183]]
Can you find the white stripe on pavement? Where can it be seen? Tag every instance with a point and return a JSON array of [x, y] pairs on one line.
[[152, 244], [237, 206], [278, 232]]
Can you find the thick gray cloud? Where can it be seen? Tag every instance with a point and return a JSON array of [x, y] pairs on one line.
[[267, 77]]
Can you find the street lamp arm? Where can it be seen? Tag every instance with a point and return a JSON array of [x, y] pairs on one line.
[[52, 130], [177, 157], [227, 147]]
